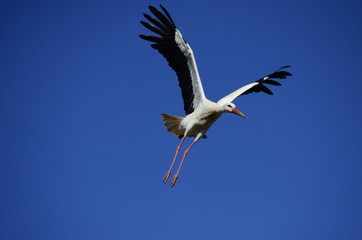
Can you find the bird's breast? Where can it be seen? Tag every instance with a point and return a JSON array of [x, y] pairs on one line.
[[200, 123]]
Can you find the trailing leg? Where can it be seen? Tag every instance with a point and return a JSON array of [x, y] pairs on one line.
[[175, 177], [167, 175]]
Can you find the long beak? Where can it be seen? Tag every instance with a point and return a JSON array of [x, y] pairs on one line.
[[236, 111]]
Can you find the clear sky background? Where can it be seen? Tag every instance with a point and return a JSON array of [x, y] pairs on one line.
[[83, 149]]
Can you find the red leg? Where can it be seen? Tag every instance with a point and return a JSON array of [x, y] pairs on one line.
[[167, 175], [175, 177]]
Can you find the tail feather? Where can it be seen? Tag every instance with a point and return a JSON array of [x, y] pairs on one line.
[[172, 124]]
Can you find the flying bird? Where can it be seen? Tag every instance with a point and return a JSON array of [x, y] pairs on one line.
[[200, 112]]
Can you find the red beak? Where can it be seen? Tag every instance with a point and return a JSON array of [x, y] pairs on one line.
[[236, 111]]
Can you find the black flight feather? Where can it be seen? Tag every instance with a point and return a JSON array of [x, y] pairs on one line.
[[167, 46], [260, 87]]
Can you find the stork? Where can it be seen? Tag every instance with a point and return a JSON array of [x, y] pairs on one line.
[[200, 112]]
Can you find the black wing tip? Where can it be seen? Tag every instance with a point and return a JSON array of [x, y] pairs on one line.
[[167, 14], [278, 74], [152, 8], [285, 72], [143, 36], [272, 82], [260, 87], [144, 23], [263, 88], [269, 79], [163, 17], [286, 66]]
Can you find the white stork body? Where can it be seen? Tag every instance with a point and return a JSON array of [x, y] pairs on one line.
[[199, 121], [201, 113]]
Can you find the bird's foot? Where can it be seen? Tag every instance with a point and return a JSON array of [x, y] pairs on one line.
[[174, 179], [167, 175]]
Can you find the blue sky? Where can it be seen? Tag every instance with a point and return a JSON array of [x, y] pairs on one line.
[[83, 149]]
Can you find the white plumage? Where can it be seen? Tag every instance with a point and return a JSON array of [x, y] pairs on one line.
[[201, 113]]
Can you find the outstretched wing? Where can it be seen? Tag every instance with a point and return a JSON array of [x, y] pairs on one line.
[[258, 86], [178, 54]]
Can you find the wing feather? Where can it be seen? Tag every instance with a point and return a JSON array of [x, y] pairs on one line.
[[178, 54], [257, 86]]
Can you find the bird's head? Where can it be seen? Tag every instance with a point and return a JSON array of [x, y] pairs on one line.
[[231, 108]]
